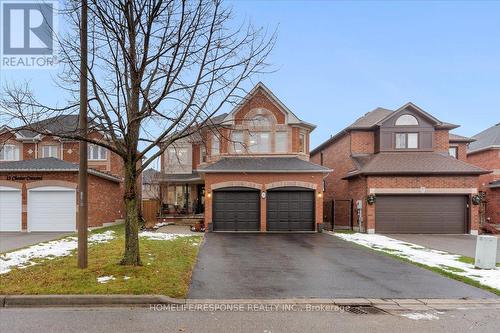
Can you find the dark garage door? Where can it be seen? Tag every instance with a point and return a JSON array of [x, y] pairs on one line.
[[236, 209], [290, 210], [416, 214]]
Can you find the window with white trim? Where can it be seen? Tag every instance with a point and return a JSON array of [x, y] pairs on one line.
[[215, 145], [281, 142], [9, 153], [453, 151], [203, 153], [406, 120], [50, 151], [97, 153], [237, 143], [406, 140], [259, 142], [302, 143]]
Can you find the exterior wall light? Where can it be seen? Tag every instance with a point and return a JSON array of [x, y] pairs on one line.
[[320, 194], [209, 194], [263, 195]]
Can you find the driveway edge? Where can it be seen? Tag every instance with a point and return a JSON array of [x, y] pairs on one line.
[[33, 301], [18, 301]]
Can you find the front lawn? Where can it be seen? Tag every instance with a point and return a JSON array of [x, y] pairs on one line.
[[166, 269]]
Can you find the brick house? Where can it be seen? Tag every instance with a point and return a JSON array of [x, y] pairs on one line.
[[485, 152], [39, 177], [393, 173], [248, 171]]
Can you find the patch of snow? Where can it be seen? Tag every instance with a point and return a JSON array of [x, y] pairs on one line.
[[161, 235], [48, 250], [126, 277], [434, 258], [420, 316], [105, 279]]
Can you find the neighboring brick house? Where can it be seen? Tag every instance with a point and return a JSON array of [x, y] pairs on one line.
[[39, 177], [395, 169], [485, 152], [248, 171]]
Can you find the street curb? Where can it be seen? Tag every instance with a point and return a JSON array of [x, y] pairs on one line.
[[19, 301]]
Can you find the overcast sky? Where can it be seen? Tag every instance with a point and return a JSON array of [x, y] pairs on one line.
[[337, 60]]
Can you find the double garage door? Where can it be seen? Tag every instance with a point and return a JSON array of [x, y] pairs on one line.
[[288, 209], [421, 214], [50, 208]]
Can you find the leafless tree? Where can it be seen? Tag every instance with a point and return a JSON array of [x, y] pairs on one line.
[[158, 71]]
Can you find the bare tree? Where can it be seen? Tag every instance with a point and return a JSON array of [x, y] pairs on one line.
[[158, 71]]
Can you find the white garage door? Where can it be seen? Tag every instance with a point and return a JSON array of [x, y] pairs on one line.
[[10, 209], [51, 208]]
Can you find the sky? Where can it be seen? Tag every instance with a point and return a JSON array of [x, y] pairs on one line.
[[336, 60]]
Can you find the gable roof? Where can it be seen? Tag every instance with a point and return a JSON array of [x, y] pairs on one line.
[[459, 138], [50, 164], [56, 125], [263, 164], [291, 117], [412, 163], [376, 117], [489, 138]]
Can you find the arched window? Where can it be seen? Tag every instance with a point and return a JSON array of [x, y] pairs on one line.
[[261, 121], [406, 120]]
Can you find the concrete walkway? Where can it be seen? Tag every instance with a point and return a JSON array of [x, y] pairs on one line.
[[464, 245], [15, 240]]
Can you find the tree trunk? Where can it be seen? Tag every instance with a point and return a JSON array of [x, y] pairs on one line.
[[131, 255]]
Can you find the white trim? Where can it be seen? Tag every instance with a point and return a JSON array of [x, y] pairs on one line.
[[423, 190], [474, 232]]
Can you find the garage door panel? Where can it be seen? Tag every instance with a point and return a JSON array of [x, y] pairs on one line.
[[10, 209], [291, 210], [421, 214], [51, 210], [236, 211]]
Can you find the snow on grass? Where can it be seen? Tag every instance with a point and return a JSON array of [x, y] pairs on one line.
[[433, 258], [48, 250], [420, 316], [105, 279], [161, 235]]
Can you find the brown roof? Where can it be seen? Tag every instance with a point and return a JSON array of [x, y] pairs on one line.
[[411, 163], [459, 138]]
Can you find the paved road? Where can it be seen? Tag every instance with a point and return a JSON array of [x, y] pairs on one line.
[[310, 265], [14, 240], [126, 320], [458, 244]]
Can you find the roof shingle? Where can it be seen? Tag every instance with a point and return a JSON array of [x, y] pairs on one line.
[[488, 138], [262, 164]]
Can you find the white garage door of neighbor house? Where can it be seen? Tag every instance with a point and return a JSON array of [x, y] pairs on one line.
[[10, 209], [52, 208]]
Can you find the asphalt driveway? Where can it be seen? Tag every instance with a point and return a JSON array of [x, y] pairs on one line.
[[464, 245], [310, 265], [14, 240]]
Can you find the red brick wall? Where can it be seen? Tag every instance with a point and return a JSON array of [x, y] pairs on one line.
[[260, 100], [105, 197], [441, 141], [490, 160], [362, 142], [336, 156], [447, 182], [262, 180]]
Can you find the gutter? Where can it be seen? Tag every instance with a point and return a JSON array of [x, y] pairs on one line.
[[265, 171]]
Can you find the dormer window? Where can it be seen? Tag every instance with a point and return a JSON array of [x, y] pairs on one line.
[[406, 140], [407, 120]]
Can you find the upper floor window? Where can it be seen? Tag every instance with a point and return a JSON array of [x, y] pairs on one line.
[[406, 120], [281, 142], [215, 145], [453, 151], [50, 151], [237, 143], [97, 153], [259, 142], [9, 153], [261, 121], [203, 153], [302, 143], [178, 156], [406, 140]]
